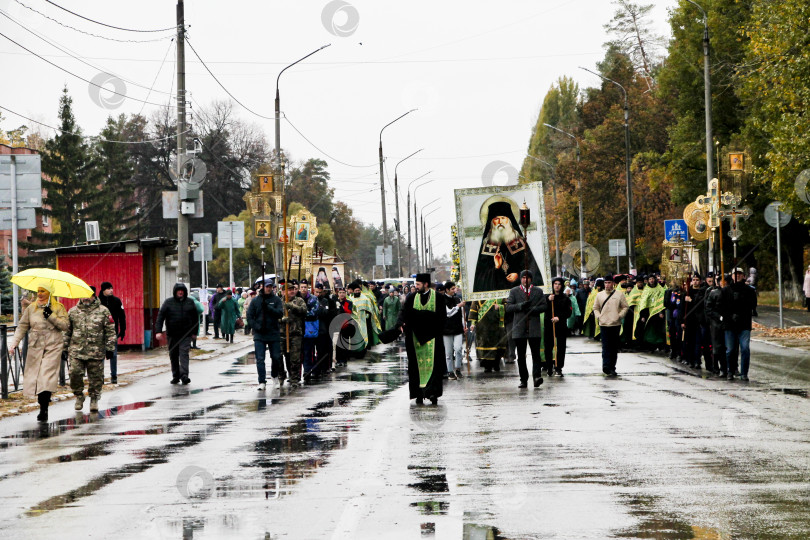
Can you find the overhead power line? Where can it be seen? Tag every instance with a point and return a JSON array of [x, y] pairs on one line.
[[172, 28], [60, 23], [82, 60], [91, 137], [80, 77], [248, 109]]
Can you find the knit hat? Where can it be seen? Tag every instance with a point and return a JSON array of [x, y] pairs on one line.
[[105, 285]]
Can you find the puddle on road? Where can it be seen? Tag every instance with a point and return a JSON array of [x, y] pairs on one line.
[[301, 448], [431, 508], [236, 368], [795, 392], [431, 479], [67, 424], [472, 531], [296, 452], [148, 458]]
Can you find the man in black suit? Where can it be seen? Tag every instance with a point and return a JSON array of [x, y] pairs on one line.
[[526, 302]]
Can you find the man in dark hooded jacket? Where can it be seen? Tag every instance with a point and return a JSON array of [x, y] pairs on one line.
[[263, 315], [116, 308], [181, 315]]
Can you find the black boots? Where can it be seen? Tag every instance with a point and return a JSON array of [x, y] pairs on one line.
[[44, 399]]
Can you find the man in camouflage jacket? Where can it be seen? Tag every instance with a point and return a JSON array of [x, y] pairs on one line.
[[296, 310], [89, 338]]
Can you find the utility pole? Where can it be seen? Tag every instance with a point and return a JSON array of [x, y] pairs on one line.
[[382, 191], [416, 234], [14, 256], [707, 97], [382, 200], [182, 220], [416, 225], [396, 204]]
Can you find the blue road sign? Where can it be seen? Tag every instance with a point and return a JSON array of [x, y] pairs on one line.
[[675, 229]]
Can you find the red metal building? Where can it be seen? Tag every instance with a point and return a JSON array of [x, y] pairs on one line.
[[137, 271]]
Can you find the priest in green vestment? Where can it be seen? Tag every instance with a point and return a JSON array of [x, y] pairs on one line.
[[422, 320]]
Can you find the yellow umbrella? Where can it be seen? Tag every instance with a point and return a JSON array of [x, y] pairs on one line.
[[61, 284]]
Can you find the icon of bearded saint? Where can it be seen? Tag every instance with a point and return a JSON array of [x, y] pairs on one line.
[[504, 251]]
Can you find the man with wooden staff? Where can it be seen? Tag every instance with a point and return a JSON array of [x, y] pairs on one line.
[[555, 330]]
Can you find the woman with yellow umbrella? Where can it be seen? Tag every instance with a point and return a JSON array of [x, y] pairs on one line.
[[43, 320]]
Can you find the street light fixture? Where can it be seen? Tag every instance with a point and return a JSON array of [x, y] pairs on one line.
[[396, 204], [630, 219], [414, 215], [430, 240], [277, 251], [424, 230], [579, 193], [382, 189], [554, 200]]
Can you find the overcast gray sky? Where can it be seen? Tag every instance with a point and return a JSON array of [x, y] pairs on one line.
[[477, 71]]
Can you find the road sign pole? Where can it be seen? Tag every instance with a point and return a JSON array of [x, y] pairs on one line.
[[202, 264], [618, 269], [14, 261], [230, 255], [779, 266]]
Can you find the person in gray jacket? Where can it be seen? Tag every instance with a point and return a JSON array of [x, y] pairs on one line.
[[526, 302]]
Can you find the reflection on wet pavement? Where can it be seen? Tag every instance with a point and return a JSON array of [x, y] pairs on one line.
[[657, 453]]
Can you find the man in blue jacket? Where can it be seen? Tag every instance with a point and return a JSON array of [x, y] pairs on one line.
[[263, 316], [310, 330]]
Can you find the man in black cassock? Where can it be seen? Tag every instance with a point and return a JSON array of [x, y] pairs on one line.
[[422, 319], [503, 253]]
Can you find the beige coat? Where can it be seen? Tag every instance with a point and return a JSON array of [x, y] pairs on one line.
[[610, 312], [45, 343]]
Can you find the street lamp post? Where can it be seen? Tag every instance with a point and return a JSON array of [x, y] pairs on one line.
[[396, 204], [430, 240], [277, 250], [554, 201], [414, 215], [424, 232], [579, 192], [707, 97], [382, 190], [631, 229]]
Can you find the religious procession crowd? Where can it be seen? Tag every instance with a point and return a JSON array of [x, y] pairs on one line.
[[310, 331]]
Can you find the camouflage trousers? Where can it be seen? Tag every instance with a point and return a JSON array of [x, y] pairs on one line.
[[293, 356], [95, 376]]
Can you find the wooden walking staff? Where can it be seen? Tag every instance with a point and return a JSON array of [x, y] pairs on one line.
[[286, 237], [525, 219]]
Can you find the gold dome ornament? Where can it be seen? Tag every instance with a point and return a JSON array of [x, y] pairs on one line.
[[697, 221]]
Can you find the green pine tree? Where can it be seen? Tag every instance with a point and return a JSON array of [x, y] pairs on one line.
[[5, 290], [116, 194], [71, 181]]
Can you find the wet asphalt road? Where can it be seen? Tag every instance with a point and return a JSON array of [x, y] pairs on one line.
[[660, 452], [769, 316]]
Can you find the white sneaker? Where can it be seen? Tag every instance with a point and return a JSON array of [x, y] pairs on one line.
[[287, 383], [276, 383], [301, 382], [262, 386]]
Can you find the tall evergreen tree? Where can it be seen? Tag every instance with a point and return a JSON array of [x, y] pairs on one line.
[[70, 178], [7, 305], [116, 193]]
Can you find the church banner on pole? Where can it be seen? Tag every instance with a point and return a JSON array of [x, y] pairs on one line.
[[493, 246]]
